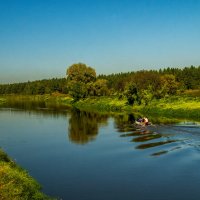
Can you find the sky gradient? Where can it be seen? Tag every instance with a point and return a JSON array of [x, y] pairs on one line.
[[41, 38]]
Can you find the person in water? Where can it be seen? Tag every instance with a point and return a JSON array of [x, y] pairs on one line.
[[143, 121]]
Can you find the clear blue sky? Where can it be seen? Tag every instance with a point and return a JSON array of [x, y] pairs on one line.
[[40, 38]]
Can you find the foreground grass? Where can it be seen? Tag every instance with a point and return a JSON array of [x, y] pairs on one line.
[[15, 183]]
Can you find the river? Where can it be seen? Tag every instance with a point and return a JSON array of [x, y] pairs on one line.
[[78, 155]]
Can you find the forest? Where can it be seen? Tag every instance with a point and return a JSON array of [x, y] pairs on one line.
[[137, 86]]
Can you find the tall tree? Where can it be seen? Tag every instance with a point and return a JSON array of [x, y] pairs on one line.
[[79, 77], [81, 73]]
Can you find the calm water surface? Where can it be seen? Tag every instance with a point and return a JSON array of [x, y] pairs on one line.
[[85, 156]]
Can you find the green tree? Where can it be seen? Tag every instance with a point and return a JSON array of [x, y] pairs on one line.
[[100, 87], [77, 90], [81, 73], [131, 93], [168, 85], [146, 95], [79, 79]]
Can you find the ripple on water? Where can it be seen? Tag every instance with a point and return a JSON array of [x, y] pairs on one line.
[[157, 139], [167, 139]]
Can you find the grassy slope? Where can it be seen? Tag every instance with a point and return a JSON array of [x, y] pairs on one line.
[[15, 183], [103, 104], [171, 107], [177, 106], [180, 107], [2, 100]]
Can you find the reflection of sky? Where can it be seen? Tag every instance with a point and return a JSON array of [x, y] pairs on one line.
[[39, 39]]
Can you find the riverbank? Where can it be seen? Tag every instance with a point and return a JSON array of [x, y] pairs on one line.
[[173, 107], [183, 107], [16, 183], [103, 104], [2, 100]]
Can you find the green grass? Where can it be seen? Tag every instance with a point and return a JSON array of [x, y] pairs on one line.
[[16, 184], [184, 106], [173, 107], [103, 104], [55, 99], [2, 100], [192, 93]]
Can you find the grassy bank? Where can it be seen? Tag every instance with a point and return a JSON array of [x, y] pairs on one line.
[[182, 107], [103, 104], [2, 100], [187, 107], [48, 99], [15, 183], [173, 107]]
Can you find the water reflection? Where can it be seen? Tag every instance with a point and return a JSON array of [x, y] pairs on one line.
[[142, 137], [125, 123], [123, 157], [83, 126], [41, 108]]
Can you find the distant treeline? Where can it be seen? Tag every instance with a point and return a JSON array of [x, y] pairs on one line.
[[36, 87], [186, 78]]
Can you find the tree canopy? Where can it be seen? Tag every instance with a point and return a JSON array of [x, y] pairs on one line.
[[82, 82]]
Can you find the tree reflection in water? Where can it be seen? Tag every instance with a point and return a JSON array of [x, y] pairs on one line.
[[83, 126], [125, 123]]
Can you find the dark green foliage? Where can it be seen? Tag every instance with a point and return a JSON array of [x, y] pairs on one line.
[[77, 90], [81, 82], [81, 73], [36, 87], [188, 78], [132, 94]]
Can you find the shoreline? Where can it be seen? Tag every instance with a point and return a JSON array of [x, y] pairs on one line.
[[16, 183], [171, 107]]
